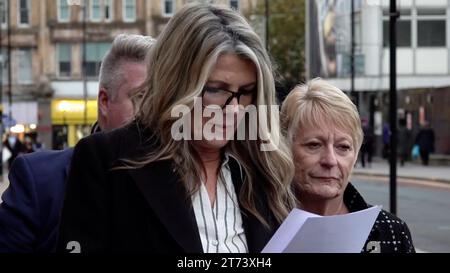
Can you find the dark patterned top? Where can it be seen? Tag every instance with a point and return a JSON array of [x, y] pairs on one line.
[[389, 234]]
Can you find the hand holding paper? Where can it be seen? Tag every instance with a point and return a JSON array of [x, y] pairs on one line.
[[304, 232]]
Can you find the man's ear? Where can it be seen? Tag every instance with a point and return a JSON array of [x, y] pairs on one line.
[[103, 101]]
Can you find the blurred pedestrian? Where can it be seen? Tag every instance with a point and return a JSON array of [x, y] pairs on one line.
[[425, 139], [403, 143], [38, 145], [14, 146], [386, 141], [368, 143], [27, 145]]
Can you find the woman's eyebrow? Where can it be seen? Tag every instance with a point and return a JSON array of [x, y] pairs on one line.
[[227, 85]]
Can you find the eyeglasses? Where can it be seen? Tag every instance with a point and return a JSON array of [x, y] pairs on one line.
[[223, 97]]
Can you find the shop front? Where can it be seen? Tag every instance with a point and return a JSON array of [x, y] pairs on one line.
[[71, 120]]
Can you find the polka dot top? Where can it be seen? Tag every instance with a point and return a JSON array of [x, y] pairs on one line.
[[389, 234]]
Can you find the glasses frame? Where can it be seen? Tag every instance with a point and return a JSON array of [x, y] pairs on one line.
[[237, 94]]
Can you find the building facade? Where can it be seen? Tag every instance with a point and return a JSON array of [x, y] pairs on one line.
[[423, 60], [20, 40], [50, 40]]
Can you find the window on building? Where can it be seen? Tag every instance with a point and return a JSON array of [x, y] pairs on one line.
[[95, 10], [63, 11], [24, 64], [431, 33], [234, 4], [108, 10], [4, 65], [129, 10], [3, 9], [431, 28], [431, 12], [64, 59], [94, 56], [358, 33], [99, 10], [24, 12], [168, 8], [404, 37], [403, 33]]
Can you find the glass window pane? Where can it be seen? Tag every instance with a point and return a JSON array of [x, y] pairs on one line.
[[403, 12], [65, 59], [24, 12], [65, 52], [91, 52], [94, 56], [431, 33], [95, 10], [4, 65], [130, 10], [103, 48], [403, 33], [64, 69], [168, 7], [108, 9], [25, 75], [3, 7], [64, 13], [431, 12], [234, 4], [91, 69]]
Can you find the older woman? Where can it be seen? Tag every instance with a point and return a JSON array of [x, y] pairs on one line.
[[141, 188], [324, 129]]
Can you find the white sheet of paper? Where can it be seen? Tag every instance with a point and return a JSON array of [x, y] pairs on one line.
[[304, 232]]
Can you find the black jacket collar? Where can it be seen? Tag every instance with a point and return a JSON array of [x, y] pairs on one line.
[[164, 191], [166, 195], [353, 200]]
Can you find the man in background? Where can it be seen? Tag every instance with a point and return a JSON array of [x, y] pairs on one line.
[[29, 214]]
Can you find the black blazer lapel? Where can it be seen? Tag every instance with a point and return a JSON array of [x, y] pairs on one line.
[[165, 193], [257, 234]]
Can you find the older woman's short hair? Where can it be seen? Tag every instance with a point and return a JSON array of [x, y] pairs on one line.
[[319, 103]]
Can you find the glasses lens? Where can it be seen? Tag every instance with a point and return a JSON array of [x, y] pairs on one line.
[[213, 96], [216, 96]]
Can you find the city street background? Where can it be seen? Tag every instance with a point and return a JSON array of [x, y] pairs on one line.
[[51, 52]]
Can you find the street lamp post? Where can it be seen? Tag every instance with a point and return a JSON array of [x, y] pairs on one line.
[[393, 15], [2, 10], [353, 93], [85, 92], [267, 22], [8, 22]]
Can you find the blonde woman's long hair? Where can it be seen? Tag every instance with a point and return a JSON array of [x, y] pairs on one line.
[[180, 63]]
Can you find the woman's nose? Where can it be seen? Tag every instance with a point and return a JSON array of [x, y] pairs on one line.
[[328, 158]]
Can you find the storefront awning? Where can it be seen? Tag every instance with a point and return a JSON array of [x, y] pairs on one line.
[[68, 112]]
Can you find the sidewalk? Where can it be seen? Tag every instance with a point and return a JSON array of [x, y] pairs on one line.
[[411, 170]]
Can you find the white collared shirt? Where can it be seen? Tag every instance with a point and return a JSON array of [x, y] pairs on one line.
[[220, 227]]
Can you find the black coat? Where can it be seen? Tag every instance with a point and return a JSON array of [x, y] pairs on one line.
[[137, 210], [425, 140], [389, 233]]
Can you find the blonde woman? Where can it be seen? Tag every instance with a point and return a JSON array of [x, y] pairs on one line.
[[324, 131], [143, 189]]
